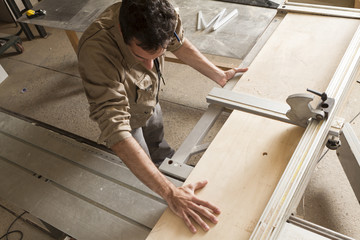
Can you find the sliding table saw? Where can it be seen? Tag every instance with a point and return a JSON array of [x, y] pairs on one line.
[[85, 191]]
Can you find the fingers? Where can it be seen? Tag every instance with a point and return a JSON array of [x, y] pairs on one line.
[[230, 74], [189, 224], [240, 70], [204, 211], [199, 220], [197, 213], [208, 205], [189, 207], [199, 208]]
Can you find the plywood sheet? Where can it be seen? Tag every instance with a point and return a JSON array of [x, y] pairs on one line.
[[303, 52], [248, 156], [238, 176]]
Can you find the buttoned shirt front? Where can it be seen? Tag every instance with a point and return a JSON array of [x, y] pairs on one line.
[[121, 91]]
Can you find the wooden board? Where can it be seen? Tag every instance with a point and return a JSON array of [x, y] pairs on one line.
[[304, 52], [244, 163], [246, 159]]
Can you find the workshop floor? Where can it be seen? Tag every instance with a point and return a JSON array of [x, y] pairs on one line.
[[44, 84]]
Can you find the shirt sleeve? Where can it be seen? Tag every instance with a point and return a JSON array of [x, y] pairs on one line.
[[106, 94], [174, 42]]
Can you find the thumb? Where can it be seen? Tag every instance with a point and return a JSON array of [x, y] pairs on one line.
[[240, 69], [200, 185]]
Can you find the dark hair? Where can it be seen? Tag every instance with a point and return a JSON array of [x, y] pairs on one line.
[[151, 22]]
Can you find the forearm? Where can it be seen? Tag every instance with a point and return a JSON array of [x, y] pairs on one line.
[[190, 55], [135, 158]]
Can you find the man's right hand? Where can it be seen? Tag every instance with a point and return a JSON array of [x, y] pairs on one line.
[[182, 200], [185, 204]]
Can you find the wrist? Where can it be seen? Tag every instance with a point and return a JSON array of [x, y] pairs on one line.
[[166, 189], [168, 192], [220, 77]]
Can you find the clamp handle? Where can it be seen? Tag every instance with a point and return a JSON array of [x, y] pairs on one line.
[[322, 95]]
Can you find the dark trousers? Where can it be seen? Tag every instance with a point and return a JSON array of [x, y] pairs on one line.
[[151, 138]]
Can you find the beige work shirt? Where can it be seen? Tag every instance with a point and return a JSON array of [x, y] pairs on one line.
[[121, 92]]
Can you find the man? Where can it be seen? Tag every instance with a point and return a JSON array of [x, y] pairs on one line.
[[121, 56]]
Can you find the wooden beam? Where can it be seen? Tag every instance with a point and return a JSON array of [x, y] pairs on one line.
[[356, 3], [73, 38]]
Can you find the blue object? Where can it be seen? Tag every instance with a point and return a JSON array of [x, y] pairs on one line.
[[177, 37]]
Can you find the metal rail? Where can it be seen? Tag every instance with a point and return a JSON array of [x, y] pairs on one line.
[[319, 10]]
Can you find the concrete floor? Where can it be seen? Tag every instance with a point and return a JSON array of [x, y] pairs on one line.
[[44, 84]]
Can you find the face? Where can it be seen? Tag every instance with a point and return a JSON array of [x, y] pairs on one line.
[[145, 57]]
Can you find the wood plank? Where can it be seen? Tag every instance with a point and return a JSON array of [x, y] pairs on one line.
[[304, 52], [248, 156], [73, 38], [243, 164], [356, 3]]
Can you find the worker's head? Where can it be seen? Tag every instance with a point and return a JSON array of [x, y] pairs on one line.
[[151, 23], [146, 57]]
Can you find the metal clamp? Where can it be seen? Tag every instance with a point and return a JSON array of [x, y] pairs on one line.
[[301, 110]]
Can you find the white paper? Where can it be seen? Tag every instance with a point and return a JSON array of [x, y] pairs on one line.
[[3, 74]]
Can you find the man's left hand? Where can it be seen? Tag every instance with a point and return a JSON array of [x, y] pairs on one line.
[[229, 74]]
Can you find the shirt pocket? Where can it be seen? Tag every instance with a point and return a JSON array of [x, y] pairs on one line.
[[144, 90]]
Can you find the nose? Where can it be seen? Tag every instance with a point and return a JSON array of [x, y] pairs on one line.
[[149, 64]]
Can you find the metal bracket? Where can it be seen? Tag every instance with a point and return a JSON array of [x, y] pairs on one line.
[[248, 103], [301, 110], [298, 110], [349, 157], [297, 228], [176, 169], [334, 142]]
